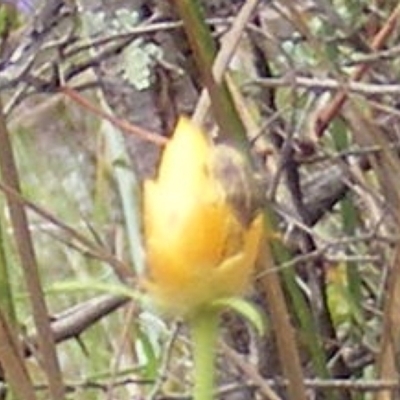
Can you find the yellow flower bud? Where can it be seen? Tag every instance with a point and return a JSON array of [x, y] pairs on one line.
[[198, 246]]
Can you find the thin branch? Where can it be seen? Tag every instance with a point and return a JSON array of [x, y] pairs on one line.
[[320, 84], [333, 108], [229, 45], [29, 264], [121, 124], [120, 268]]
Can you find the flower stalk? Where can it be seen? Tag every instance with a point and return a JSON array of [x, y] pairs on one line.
[[204, 330]]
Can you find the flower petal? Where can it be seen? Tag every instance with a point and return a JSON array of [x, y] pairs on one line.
[[197, 249]]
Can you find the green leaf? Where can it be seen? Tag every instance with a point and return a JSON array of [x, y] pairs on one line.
[[151, 365], [96, 286], [246, 309]]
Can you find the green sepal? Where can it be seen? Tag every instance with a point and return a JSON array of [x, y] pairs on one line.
[[245, 308]]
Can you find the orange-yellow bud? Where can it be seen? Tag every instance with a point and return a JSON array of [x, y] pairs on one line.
[[198, 248]]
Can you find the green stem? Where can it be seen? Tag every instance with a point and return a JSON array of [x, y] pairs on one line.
[[204, 329], [204, 51]]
